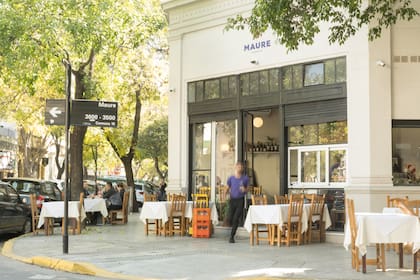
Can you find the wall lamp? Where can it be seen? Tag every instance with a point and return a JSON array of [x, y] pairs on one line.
[[380, 63], [255, 62]]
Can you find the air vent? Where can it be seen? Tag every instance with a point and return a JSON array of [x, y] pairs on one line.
[[397, 58], [413, 58], [404, 59]]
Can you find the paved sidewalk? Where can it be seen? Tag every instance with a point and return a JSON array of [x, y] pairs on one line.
[[124, 252]]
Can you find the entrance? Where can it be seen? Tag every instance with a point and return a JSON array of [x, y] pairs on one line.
[[261, 132]]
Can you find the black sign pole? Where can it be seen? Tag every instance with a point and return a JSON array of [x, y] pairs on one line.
[[67, 163]]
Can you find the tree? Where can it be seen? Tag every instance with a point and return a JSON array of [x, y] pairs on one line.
[[35, 37], [153, 144], [295, 22]]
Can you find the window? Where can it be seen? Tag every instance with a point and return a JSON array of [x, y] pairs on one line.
[[317, 165], [245, 84], [314, 74], [253, 83], [211, 89], [405, 152], [191, 92], [274, 80], [318, 153]]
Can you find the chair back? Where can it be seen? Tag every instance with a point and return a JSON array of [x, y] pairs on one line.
[[81, 201], [200, 200], [204, 190], [223, 194], [256, 190], [295, 207], [414, 205], [352, 219], [406, 209], [178, 204], [150, 197], [295, 196], [281, 199], [259, 199], [34, 207], [309, 197], [317, 206], [394, 201]]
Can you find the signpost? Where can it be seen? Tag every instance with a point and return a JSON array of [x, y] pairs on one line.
[[81, 113], [55, 112]]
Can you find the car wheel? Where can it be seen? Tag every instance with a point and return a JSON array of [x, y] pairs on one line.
[[27, 226]]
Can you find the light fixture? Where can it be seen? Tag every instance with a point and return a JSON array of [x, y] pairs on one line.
[[258, 122], [254, 62], [380, 63]]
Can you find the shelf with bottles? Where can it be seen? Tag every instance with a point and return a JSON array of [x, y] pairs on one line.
[[260, 147]]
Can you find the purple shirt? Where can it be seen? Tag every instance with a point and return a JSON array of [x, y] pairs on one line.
[[235, 184]]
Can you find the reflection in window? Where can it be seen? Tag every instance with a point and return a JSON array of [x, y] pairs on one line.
[[191, 92], [330, 71], [309, 167], [316, 134], [293, 167], [233, 86], [245, 84], [253, 83], [286, 78], [263, 82], [274, 80], [314, 74], [405, 155], [340, 66], [297, 76], [224, 87], [337, 166], [202, 146], [211, 89], [199, 91]]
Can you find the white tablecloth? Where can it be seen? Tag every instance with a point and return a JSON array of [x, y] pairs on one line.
[[162, 209], [96, 205], [55, 209], [384, 228], [277, 214], [394, 210], [272, 214]]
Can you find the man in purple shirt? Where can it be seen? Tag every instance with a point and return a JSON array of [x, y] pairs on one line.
[[238, 185]]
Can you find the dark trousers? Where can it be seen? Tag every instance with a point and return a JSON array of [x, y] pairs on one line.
[[236, 207]]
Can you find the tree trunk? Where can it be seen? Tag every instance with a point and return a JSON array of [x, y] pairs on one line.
[[78, 133], [156, 161], [60, 167]]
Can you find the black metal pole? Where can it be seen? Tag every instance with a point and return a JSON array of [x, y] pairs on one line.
[[67, 163]]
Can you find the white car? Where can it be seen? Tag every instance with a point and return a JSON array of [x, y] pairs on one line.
[[143, 186]]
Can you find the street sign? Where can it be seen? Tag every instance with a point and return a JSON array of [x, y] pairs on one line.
[[55, 112], [94, 113]]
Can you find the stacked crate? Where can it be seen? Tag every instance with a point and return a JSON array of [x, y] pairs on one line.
[[201, 223]]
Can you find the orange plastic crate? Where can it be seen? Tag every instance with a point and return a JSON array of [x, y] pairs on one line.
[[201, 214], [202, 230]]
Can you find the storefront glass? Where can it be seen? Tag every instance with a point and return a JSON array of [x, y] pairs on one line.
[[201, 155], [405, 155]]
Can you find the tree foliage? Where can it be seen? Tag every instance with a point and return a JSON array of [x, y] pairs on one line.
[[295, 22], [153, 143], [36, 35]]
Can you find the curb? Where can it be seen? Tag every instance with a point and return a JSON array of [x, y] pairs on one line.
[[64, 265]]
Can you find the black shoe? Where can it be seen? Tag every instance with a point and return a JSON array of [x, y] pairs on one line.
[[231, 240]]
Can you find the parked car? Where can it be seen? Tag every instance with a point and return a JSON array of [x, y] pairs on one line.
[[144, 186], [44, 190], [15, 216]]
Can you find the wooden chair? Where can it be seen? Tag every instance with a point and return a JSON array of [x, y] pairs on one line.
[[35, 215], [113, 214], [204, 190], [316, 222], [414, 205], [200, 200], [379, 261], [222, 199], [281, 199], [292, 230], [259, 228], [394, 201], [256, 190], [75, 223], [408, 209], [176, 223], [151, 222]]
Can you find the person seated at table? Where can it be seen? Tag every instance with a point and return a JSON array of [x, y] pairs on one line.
[[112, 197], [121, 189], [86, 192], [162, 191]]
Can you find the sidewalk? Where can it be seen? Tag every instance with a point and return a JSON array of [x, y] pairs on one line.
[[124, 252]]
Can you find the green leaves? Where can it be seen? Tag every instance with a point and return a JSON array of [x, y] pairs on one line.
[[297, 22]]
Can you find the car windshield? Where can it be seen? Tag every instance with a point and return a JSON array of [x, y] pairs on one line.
[[23, 187]]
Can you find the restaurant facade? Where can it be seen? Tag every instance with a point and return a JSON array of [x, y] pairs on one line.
[[326, 118]]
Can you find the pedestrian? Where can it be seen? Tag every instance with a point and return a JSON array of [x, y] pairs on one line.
[[162, 191], [238, 186]]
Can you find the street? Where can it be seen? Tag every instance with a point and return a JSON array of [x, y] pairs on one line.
[[11, 269]]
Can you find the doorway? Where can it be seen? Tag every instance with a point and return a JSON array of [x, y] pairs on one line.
[[261, 131]]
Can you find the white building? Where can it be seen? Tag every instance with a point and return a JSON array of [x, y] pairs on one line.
[[333, 117]]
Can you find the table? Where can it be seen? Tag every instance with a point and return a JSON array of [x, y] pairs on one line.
[[383, 228], [55, 209], [277, 214], [160, 210], [394, 210], [95, 205]]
